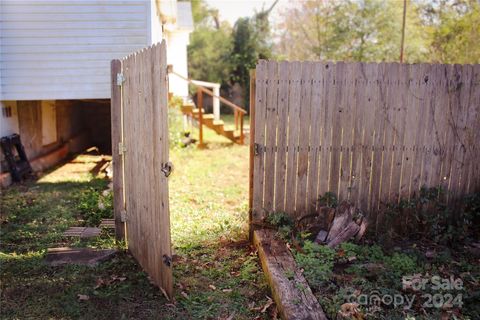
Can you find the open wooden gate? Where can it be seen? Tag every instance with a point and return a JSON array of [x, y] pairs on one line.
[[140, 160]]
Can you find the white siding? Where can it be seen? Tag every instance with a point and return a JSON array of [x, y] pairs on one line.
[[62, 49], [177, 43]]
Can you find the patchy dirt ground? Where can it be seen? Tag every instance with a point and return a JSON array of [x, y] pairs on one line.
[[217, 275]]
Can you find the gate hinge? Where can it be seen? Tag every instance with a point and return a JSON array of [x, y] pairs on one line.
[[167, 168], [120, 79], [257, 148], [167, 260], [123, 215], [121, 148]]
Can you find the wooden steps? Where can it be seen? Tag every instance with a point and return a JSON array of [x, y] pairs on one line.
[[209, 121]]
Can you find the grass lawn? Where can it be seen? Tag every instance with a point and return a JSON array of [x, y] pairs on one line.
[[216, 273]]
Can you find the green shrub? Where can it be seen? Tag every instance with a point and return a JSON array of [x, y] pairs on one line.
[[317, 262], [401, 264], [329, 199], [95, 206], [279, 219]]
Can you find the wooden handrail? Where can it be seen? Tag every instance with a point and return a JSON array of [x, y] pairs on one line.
[[225, 101], [210, 93], [200, 117]]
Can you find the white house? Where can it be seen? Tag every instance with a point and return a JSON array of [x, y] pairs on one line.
[[55, 63]]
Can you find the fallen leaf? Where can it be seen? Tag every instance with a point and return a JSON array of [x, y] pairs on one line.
[[351, 311], [98, 283], [211, 286], [83, 297], [267, 305], [231, 316], [165, 294]]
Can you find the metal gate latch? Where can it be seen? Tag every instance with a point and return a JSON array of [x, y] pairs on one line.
[[257, 149], [120, 79], [167, 260], [167, 168]]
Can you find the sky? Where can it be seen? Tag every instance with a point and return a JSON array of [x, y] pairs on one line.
[[231, 10]]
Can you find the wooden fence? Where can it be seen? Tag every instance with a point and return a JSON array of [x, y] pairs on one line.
[[369, 133], [140, 159]]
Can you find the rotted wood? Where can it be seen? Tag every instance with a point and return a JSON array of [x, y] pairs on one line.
[[290, 290], [345, 222]]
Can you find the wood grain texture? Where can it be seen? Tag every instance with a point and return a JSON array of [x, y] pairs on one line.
[[145, 136], [253, 89], [271, 135], [281, 145], [259, 141], [117, 162], [293, 297], [371, 133]]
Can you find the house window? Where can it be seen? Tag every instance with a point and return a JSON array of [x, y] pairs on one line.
[[7, 111], [8, 118], [49, 123]]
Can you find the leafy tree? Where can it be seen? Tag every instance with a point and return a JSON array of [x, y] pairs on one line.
[[210, 45], [251, 39], [455, 30], [367, 30]]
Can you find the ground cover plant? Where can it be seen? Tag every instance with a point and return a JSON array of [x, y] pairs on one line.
[[433, 274], [216, 272]]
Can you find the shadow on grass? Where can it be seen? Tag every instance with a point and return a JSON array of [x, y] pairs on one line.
[[32, 289], [34, 215]]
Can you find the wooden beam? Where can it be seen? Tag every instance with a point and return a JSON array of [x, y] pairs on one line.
[[116, 120], [200, 117], [252, 149], [290, 290]]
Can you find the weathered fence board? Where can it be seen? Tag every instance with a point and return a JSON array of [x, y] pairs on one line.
[[370, 133], [140, 118]]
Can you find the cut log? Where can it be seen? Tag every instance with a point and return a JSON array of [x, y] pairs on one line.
[[290, 290], [343, 217], [346, 223], [346, 234]]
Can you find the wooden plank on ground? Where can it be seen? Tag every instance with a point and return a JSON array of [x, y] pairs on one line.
[[293, 297]]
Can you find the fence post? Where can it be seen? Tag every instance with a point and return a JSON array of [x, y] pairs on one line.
[[242, 136], [200, 117], [117, 161], [216, 102], [252, 149]]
